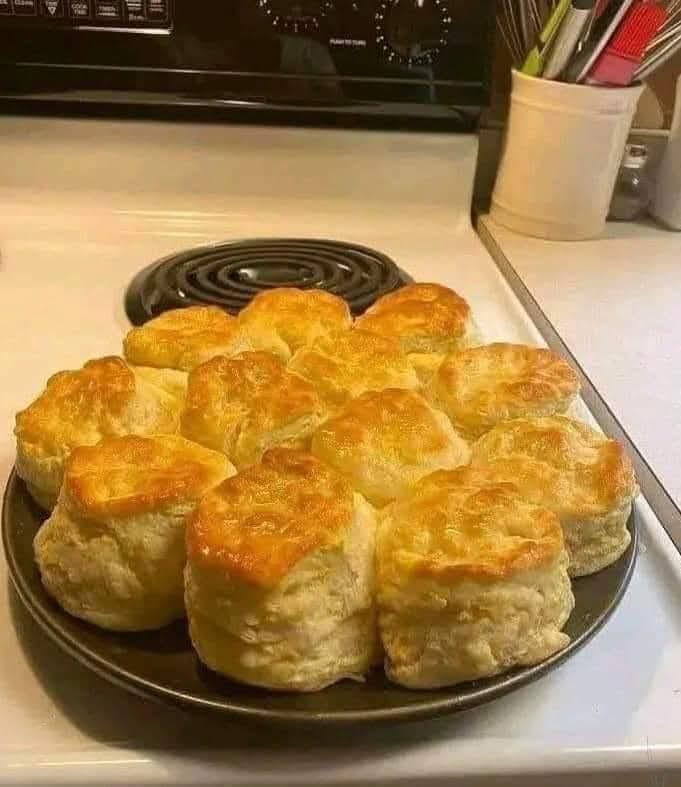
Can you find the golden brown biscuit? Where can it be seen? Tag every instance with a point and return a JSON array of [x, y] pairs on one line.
[[426, 366], [297, 317], [172, 381], [425, 318], [573, 470], [184, 338], [279, 580], [107, 397], [385, 441], [345, 365], [482, 386], [113, 551], [246, 404], [472, 581]]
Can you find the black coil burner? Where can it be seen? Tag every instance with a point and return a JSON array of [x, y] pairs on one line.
[[229, 275]]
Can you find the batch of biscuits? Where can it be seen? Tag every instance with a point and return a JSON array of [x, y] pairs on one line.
[[319, 495]]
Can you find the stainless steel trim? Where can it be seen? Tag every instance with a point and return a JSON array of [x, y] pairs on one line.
[[657, 496], [220, 72], [149, 31]]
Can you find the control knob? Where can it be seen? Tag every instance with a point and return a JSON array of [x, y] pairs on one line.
[[296, 16], [412, 31]]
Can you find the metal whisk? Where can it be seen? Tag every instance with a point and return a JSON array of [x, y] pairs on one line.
[[521, 21], [666, 43]]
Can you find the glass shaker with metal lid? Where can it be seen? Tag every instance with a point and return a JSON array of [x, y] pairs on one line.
[[632, 189]]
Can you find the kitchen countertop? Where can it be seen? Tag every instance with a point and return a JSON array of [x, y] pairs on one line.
[[616, 303], [84, 205]]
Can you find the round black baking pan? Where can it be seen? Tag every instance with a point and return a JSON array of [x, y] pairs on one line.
[[162, 664]]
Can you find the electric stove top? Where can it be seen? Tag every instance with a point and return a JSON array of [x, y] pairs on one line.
[[230, 274]]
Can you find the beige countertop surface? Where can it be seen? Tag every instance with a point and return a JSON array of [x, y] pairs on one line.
[[616, 302]]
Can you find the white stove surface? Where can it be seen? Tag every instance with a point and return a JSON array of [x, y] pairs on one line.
[[83, 206]]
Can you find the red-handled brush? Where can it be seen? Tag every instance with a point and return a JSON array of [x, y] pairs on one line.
[[624, 52]]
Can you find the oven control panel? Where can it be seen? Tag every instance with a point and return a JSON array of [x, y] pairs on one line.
[[337, 55], [410, 31], [90, 13]]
